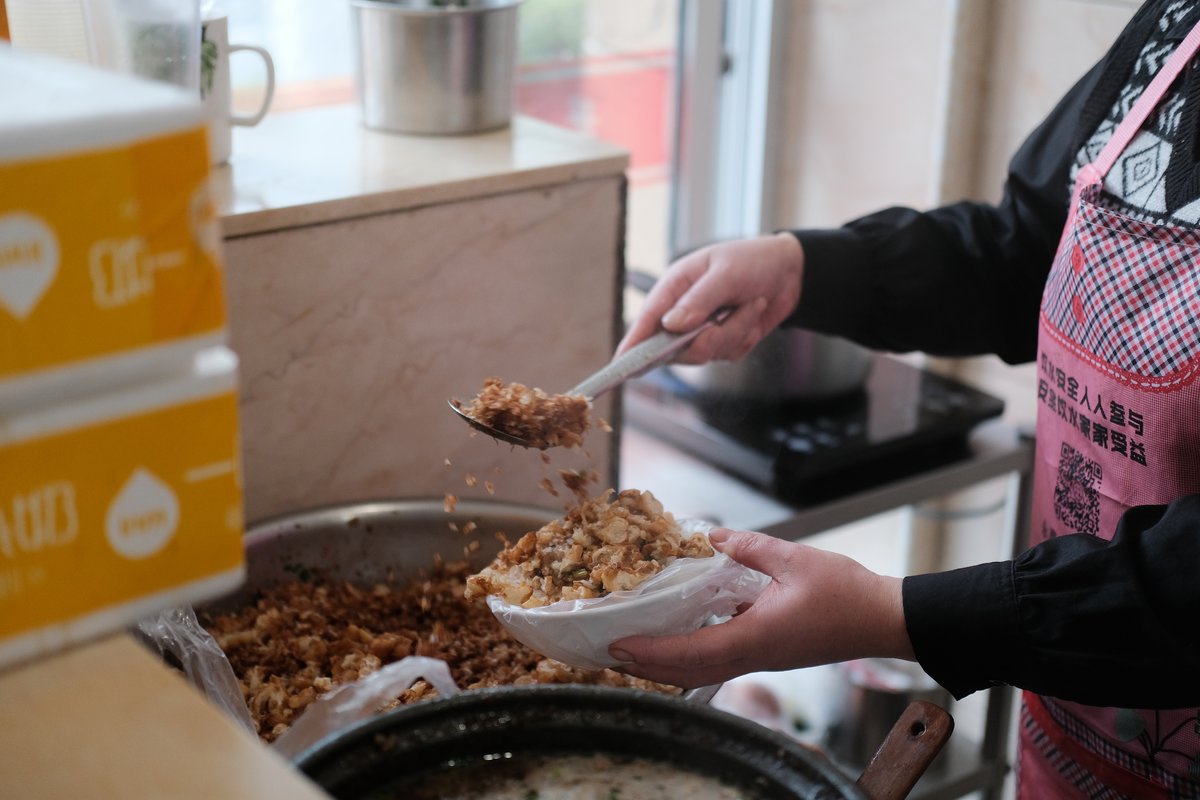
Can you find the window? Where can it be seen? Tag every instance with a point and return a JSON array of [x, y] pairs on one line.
[[602, 67], [606, 68]]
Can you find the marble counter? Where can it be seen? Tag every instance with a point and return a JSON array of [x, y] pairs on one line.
[[373, 276], [320, 165]]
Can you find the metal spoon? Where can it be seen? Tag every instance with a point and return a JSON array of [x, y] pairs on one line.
[[633, 362]]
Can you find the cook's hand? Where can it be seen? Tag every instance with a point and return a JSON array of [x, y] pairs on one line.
[[820, 608], [761, 276]]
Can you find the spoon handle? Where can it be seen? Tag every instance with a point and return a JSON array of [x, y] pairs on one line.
[[644, 355]]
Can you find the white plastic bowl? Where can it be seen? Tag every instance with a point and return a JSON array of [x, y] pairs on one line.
[[688, 594]]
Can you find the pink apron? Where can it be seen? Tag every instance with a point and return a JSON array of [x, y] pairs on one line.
[[1118, 425]]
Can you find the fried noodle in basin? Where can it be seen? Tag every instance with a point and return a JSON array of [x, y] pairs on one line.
[[303, 638]]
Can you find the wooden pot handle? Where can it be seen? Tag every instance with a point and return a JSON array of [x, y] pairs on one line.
[[911, 745]]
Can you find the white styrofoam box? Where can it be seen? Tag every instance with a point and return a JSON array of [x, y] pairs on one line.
[[110, 250], [117, 505]]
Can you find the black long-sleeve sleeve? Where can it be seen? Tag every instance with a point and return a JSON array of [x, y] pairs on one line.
[[1109, 623]]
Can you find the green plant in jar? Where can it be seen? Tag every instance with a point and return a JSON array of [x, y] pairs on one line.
[[208, 62]]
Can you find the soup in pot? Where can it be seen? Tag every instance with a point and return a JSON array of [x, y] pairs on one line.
[[564, 777]]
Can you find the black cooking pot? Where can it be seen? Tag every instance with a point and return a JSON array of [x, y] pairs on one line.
[[387, 756]]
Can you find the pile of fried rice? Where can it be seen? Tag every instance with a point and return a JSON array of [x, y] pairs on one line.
[[303, 638]]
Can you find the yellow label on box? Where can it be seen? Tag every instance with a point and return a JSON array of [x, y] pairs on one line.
[[103, 515], [107, 251]]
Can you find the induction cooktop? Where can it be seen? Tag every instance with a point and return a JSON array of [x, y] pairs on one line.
[[902, 421]]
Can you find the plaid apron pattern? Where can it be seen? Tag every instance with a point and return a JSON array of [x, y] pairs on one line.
[[1139, 321]]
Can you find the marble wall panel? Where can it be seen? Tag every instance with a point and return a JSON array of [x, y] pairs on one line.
[[352, 335], [860, 91]]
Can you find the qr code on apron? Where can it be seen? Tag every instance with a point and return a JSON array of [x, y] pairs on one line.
[[1077, 492]]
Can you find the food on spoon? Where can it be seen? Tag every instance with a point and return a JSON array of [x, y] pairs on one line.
[[604, 545], [543, 420]]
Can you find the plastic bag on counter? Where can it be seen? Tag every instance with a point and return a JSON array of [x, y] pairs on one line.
[[351, 702], [686, 595], [180, 638]]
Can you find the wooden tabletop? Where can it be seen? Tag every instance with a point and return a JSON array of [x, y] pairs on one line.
[[110, 720]]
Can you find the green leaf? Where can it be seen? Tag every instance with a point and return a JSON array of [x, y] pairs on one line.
[[208, 66]]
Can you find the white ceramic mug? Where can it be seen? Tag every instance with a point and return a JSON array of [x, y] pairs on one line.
[[215, 86]]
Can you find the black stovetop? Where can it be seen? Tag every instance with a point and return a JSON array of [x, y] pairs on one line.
[[904, 420]]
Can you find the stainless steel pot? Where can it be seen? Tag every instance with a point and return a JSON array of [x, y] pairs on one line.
[[788, 364], [870, 695], [431, 68], [391, 755]]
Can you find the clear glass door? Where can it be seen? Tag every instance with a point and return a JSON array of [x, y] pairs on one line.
[[607, 68]]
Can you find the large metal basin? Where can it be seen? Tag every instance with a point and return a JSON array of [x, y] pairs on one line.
[[375, 541]]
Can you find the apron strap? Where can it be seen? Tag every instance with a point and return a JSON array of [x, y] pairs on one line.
[[1093, 174], [1145, 104]]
